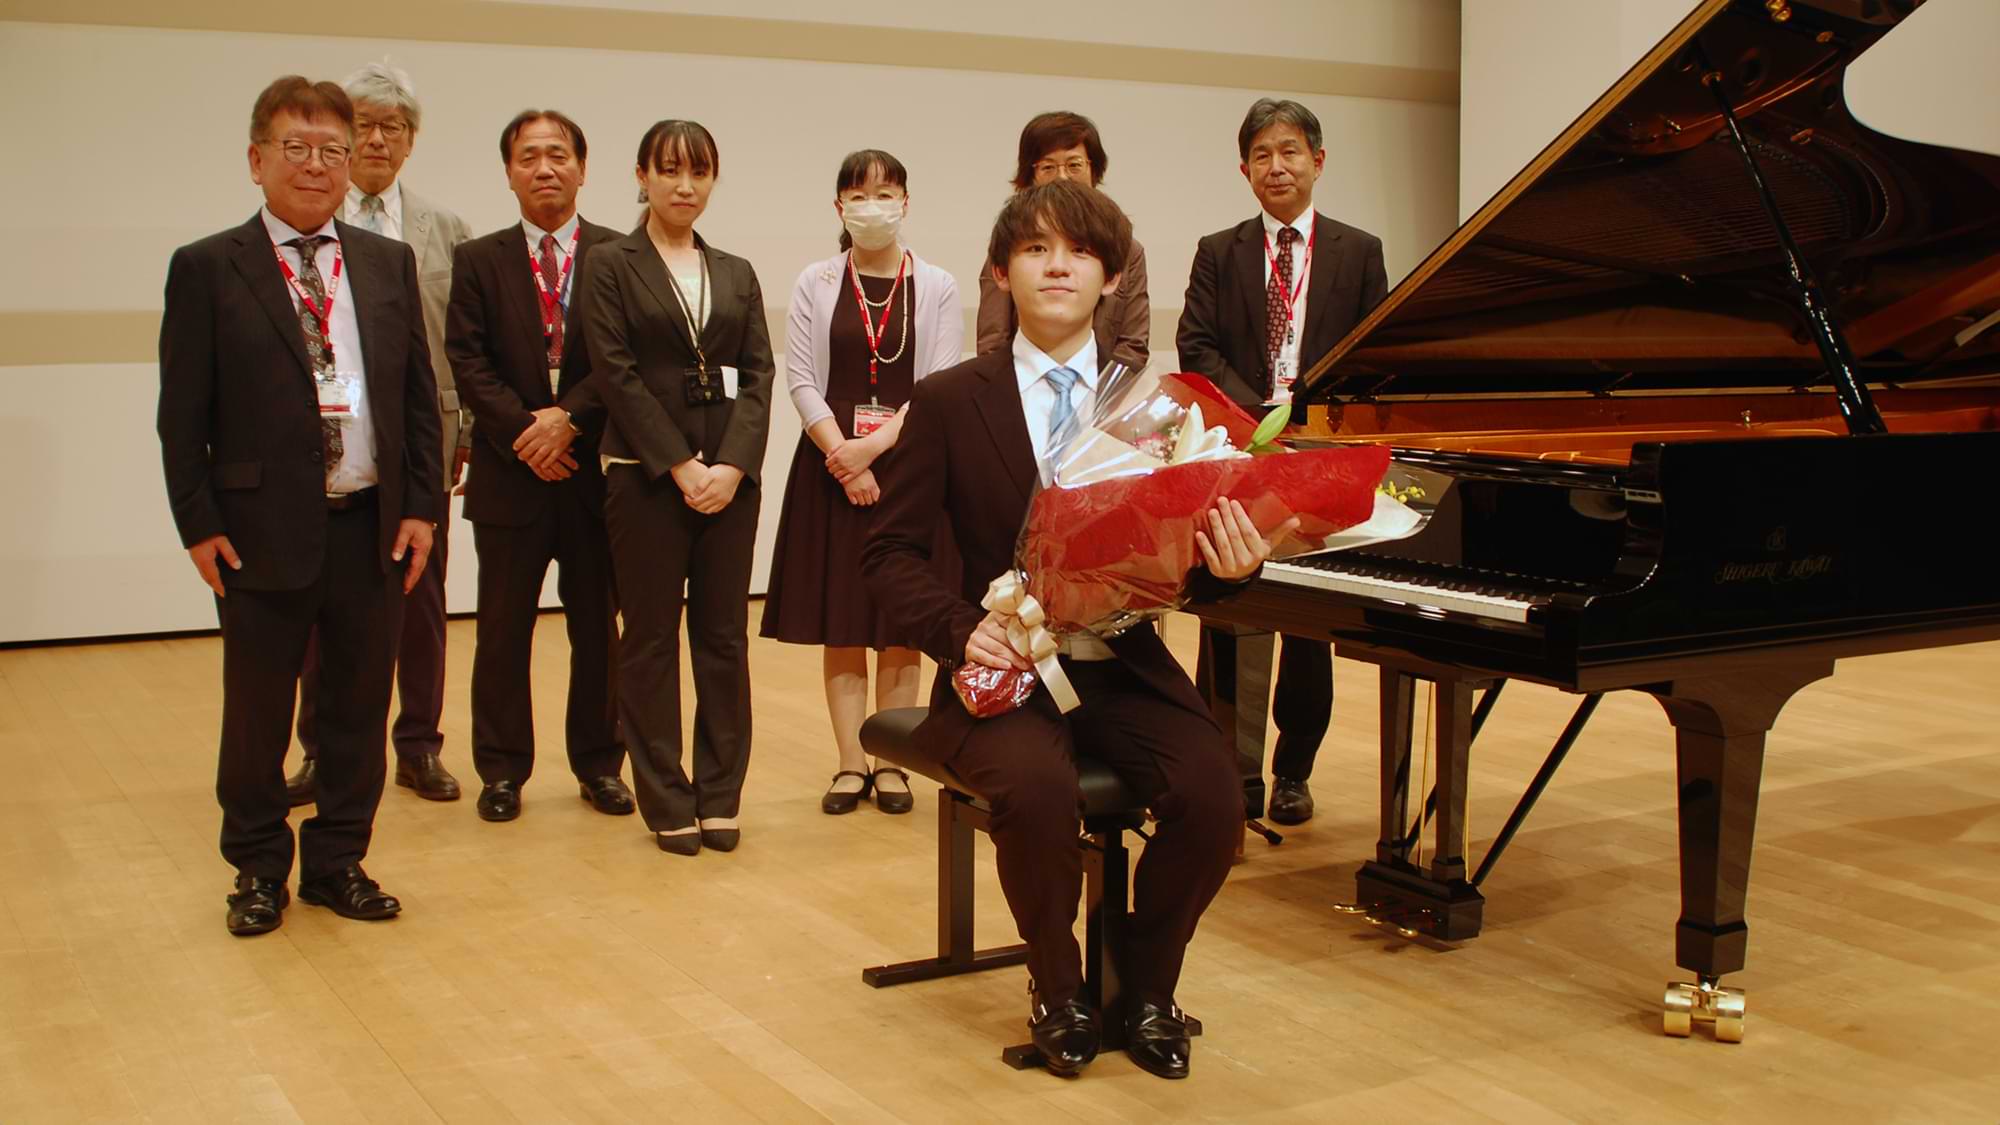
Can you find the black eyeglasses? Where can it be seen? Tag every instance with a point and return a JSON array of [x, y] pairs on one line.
[[391, 130], [298, 152]]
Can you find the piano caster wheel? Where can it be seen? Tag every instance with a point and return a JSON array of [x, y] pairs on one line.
[[1704, 1002]]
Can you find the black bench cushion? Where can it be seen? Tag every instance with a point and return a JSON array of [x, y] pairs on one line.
[[891, 736]]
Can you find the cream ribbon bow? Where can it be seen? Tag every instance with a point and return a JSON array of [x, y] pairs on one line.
[[1008, 596]]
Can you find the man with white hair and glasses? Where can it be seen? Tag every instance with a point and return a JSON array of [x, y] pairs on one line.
[[387, 116]]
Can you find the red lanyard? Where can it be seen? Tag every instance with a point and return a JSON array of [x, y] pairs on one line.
[[552, 302], [1291, 294], [324, 316], [874, 332]]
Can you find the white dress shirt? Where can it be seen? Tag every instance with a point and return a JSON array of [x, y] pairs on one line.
[[1038, 403], [1038, 395], [392, 208], [565, 239], [356, 469], [1287, 367]]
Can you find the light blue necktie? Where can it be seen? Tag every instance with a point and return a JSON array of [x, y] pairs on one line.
[[1062, 379], [372, 215]]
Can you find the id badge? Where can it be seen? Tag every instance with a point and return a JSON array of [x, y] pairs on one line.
[[704, 387], [869, 417], [336, 395], [555, 376]]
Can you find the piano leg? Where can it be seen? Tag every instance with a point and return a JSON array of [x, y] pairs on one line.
[[1233, 674], [1391, 889], [1719, 730]]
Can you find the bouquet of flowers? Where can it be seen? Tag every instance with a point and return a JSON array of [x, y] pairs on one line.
[[1109, 539]]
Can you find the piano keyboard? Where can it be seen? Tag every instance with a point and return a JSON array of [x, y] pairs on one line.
[[1425, 586]]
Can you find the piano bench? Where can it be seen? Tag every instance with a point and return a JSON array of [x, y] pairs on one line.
[[1108, 809]]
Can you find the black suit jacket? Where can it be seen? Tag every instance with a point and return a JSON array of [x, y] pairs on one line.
[[493, 334], [239, 417], [1224, 322], [641, 348], [965, 455]]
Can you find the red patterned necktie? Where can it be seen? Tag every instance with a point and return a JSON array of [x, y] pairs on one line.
[[552, 277], [318, 348], [1277, 298]]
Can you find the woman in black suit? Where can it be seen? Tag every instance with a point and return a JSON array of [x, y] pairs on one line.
[[677, 335]]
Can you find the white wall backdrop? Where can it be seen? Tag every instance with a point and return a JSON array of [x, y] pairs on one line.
[[132, 139]]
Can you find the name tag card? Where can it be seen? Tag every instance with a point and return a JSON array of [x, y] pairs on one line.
[[869, 417]]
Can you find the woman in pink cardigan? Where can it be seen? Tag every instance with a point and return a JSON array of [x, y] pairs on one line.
[[865, 325]]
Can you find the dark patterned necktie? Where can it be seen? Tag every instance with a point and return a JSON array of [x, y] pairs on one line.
[[319, 348], [1277, 297], [552, 312]]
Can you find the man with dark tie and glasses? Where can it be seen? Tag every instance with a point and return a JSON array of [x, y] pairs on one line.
[[299, 434]]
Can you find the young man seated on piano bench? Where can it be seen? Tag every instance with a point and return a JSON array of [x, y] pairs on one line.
[[970, 453]]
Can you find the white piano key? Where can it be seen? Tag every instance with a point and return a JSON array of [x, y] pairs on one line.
[[1498, 607]]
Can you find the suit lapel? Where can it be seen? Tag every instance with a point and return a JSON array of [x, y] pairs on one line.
[[256, 261], [1319, 298], [653, 273], [517, 290], [372, 278], [718, 271], [1248, 256], [417, 224], [589, 234], [1007, 423]]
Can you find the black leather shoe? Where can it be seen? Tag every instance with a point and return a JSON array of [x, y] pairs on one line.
[[721, 839], [258, 905], [425, 774], [889, 800], [1066, 1034], [500, 800], [1291, 801], [607, 795], [350, 893], [302, 788], [1157, 1039], [834, 803]]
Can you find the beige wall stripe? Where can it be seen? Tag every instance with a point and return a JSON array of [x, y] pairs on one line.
[[522, 24]]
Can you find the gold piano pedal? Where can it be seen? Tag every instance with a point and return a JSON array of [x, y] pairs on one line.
[[1381, 921], [1704, 1002]]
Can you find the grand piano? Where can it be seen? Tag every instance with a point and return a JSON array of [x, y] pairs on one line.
[[1716, 380]]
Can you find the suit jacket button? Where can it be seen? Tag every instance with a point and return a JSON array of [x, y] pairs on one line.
[[315, 454]]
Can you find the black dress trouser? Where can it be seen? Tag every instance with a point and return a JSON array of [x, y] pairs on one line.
[[1024, 763], [660, 547], [357, 611], [513, 561], [419, 664], [1301, 705]]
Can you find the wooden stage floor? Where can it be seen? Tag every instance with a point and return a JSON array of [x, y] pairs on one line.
[[560, 968]]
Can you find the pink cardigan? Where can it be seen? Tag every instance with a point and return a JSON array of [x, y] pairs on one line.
[[939, 329]]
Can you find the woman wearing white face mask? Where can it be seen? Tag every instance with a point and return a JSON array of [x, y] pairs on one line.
[[864, 326]]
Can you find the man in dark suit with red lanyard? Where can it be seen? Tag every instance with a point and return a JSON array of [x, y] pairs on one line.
[[1265, 300], [971, 448], [536, 492], [299, 431]]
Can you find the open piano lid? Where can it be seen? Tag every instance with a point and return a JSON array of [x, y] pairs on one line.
[[1633, 253]]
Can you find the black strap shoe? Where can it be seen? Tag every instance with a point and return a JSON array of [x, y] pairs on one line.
[[1066, 1034], [1156, 1038], [258, 905], [890, 800], [1291, 801], [835, 803], [425, 774], [350, 893], [500, 800], [302, 788], [607, 795]]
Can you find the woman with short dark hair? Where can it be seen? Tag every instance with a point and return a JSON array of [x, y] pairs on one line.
[[1061, 145], [676, 330]]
